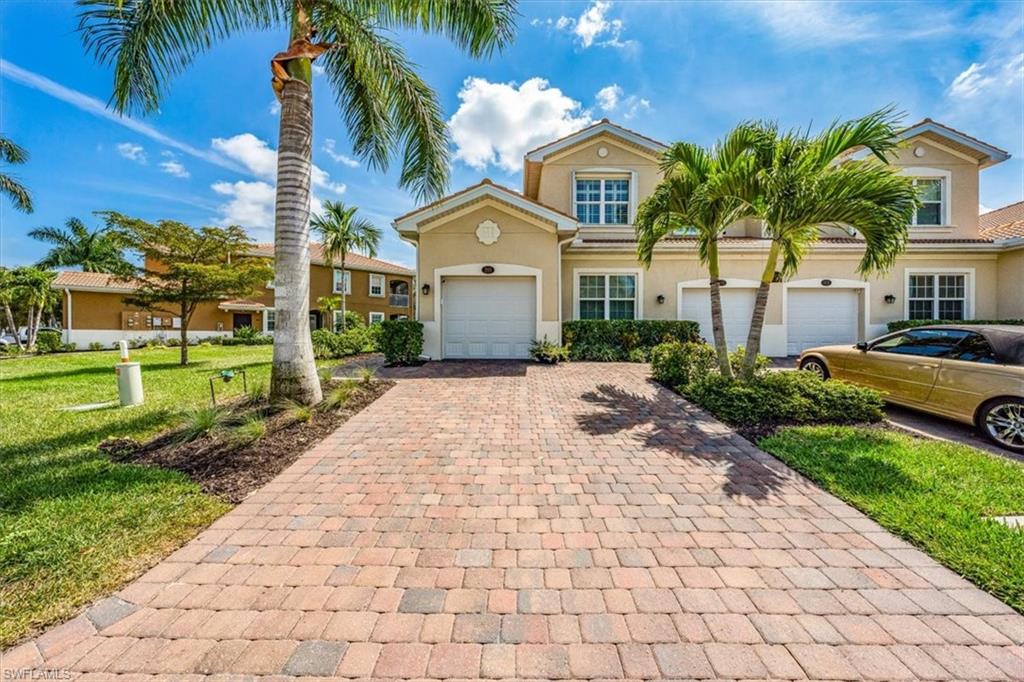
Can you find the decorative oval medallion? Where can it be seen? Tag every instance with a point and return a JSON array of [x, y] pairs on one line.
[[488, 232]]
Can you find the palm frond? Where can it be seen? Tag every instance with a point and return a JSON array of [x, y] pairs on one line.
[[11, 152], [478, 26], [17, 193], [52, 235], [148, 42], [877, 132]]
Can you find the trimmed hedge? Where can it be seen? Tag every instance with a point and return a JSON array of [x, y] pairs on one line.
[[329, 345], [401, 341], [899, 325], [622, 340], [676, 364]]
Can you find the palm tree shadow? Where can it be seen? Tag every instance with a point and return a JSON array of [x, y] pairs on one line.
[[668, 423]]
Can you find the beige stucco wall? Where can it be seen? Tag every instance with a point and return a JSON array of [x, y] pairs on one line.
[[1010, 278], [963, 186]]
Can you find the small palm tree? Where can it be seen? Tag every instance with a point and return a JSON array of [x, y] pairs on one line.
[[327, 306], [15, 191], [686, 199], [801, 182], [34, 289], [341, 231], [8, 295], [388, 109], [76, 246]]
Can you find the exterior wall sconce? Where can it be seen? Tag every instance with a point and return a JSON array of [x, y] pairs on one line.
[[889, 298], [661, 298], [426, 290]]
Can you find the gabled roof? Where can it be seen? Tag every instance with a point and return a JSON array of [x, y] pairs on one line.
[[1003, 223], [353, 261], [485, 188], [985, 153], [92, 281], [602, 126]]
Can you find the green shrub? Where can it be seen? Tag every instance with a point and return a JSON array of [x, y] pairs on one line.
[[328, 345], [616, 340], [246, 332], [548, 352], [401, 341], [325, 344], [247, 336], [736, 357], [353, 320], [676, 364], [95, 345], [49, 342], [898, 325], [777, 398]]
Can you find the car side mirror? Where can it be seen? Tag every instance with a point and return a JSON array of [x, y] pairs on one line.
[[862, 346]]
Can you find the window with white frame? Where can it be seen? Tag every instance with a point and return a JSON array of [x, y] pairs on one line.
[[376, 317], [376, 285], [269, 318], [340, 276], [337, 318], [937, 296], [602, 201], [607, 297], [931, 192]]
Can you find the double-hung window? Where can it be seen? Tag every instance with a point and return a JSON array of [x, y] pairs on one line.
[[937, 296], [607, 297], [602, 201], [269, 318], [376, 285], [930, 191], [339, 278], [376, 318]]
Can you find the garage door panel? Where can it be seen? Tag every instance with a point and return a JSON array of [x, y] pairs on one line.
[[821, 317], [737, 308], [488, 317]]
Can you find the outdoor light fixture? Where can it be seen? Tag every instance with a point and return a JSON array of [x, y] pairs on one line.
[[426, 290], [889, 298], [661, 298]]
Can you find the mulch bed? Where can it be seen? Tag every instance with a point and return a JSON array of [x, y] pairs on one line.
[[231, 472]]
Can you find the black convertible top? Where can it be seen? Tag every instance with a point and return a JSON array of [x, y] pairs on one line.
[[1006, 340]]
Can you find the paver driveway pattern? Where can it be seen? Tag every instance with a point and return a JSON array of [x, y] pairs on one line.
[[524, 521]]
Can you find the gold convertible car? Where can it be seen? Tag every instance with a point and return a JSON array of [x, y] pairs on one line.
[[971, 373]]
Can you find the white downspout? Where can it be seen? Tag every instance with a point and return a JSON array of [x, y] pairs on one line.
[[559, 247], [67, 323]]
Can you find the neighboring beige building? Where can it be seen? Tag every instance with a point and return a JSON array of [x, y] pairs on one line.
[[498, 268], [93, 308]]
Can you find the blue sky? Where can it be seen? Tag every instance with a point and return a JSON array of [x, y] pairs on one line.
[[672, 70]]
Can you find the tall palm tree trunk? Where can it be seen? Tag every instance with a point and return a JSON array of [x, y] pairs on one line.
[[294, 370], [344, 322], [13, 326], [753, 347], [717, 321]]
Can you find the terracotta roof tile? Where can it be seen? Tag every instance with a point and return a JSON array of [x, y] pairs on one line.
[[354, 261], [68, 279], [1003, 223]]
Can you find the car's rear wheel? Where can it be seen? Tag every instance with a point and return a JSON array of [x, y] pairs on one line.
[[1002, 422], [816, 366]]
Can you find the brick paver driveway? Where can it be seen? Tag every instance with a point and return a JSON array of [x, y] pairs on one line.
[[514, 520]]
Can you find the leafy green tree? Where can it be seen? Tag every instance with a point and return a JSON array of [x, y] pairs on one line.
[[11, 153], [388, 109], [687, 199], [186, 267], [76, 246], [8, 297], [31, 290], [327, 305], [341, 231], [800, 182]]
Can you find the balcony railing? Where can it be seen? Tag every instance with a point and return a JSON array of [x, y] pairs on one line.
[[399, 300]]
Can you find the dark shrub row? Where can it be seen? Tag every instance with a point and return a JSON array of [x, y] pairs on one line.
[[620, 340]]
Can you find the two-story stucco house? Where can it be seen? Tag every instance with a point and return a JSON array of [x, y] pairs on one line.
[[499, 268]]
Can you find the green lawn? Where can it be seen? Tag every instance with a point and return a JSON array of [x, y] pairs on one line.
[[935, 495], [74, 526]]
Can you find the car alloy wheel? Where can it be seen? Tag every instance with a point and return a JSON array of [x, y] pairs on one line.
[[816, 367], [1004, 423]]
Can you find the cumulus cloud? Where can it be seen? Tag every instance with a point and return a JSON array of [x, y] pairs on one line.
[[331, 151], [260, 160], [496, 123], [1001, 73], [132, 152], [275, 108], [608, 97], [175, 168], [249, 204], [592, 27], [612, 99]]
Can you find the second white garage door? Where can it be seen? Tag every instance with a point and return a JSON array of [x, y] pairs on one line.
[[821, 317], [737, 306], [488, 317]]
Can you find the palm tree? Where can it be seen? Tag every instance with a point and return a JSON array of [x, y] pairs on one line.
[[76, 246], [801, 182], [33, 287], [342, 231], [327, 306], [15, 191], [8, 294], [686, 199], [387, 107]]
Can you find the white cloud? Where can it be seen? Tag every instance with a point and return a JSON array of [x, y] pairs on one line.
[[496, 123], [1001, 73], [591, 27], [331, 151], [275, 108], [257, 156], [608, 97], [132, 152], [175, 168], [249, 204], [318, 70]]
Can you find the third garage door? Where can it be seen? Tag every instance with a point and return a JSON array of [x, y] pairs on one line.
[[488, 317], [821, 317]]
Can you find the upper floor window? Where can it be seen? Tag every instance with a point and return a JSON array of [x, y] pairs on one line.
[[339, 277], [930, 191], [602, 201], [376, 285]]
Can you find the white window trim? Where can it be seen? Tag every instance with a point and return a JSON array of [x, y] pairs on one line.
[[968, 284], [639, 309], [947, 191], [383, 285], [266, 327], [347, 279], [603, 174], [372, 314]]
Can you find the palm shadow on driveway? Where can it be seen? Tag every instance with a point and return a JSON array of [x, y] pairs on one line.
[[665, 422]]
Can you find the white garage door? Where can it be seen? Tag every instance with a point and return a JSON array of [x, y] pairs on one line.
[[488, 317], [737, 306], [821, 317]]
